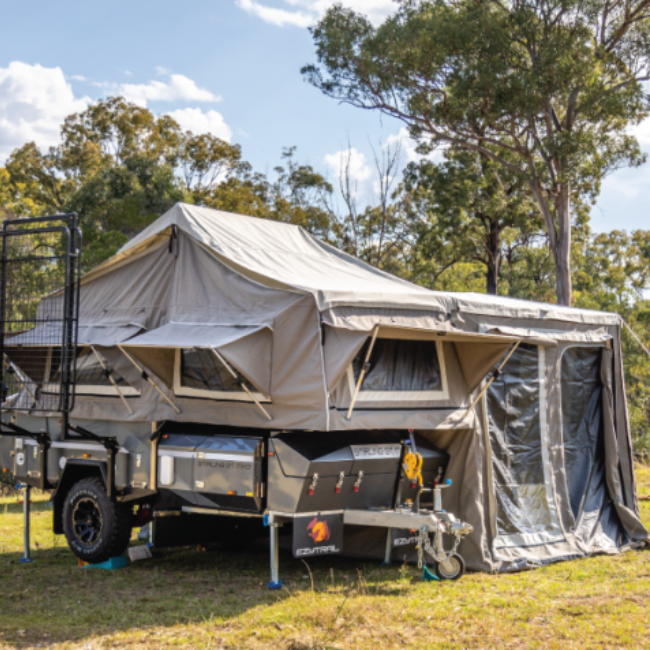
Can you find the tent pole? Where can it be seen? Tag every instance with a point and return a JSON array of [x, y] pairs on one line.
[[495, 374], [22, 381], [110, 378], [147, 378], [241, 383], [364, 370], [636, 338]]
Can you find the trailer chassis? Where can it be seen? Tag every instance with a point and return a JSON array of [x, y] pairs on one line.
[[425, 522]]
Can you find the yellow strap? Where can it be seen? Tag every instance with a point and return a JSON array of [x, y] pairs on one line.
[[413, 467]]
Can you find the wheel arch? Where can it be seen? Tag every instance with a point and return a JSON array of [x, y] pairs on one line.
[[74, 471]]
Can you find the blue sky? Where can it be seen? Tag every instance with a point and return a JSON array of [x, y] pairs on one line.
[[226, 66]]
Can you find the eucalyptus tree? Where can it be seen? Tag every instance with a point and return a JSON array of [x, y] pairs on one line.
[[469, 209], [544, 88]]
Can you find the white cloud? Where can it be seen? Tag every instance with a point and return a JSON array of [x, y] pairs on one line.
[[642, 133], [34, 101], [307, 12], [409, 145], [279, 17], [78, 77], [195, 120], [179, 88], [128, 73], [162, 71], [360, 171]]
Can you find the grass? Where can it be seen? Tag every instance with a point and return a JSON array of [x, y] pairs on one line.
[[189, 599]]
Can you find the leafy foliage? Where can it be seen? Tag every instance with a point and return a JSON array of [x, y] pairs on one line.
[[120, 167], [468, 209], [543, 89], [454, 226]]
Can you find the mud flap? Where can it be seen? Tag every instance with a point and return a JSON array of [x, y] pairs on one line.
[[317, 535]]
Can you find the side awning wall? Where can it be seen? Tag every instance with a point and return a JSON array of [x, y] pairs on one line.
[[615, 456]]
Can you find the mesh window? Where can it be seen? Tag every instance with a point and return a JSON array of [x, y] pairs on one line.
[[584, 449], [89, 369], [397, 365], [202, 370]]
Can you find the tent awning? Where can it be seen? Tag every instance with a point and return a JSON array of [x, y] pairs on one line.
[[246, 347], [50, 335], [545, 336], [193, 335]]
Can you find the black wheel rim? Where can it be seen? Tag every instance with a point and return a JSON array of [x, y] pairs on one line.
[[87, 522]]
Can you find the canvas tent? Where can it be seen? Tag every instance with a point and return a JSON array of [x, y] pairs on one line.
[[203, 302]]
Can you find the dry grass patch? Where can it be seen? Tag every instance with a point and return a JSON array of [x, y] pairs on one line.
[[212, 600]]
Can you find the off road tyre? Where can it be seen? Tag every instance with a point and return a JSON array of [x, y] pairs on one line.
[[96, 527]]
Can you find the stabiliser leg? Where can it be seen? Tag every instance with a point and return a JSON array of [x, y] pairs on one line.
[[275, 582], [388, 550], [27, 556]]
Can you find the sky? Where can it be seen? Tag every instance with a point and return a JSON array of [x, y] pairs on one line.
[[228, 67]]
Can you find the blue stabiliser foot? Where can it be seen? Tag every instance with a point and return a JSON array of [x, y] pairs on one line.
[[118, 562], [428, 576], [384, 563], [274, 585], [26, 560]]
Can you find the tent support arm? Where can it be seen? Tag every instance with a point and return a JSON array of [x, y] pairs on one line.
[[109, 374], [364, 370], [241, 383], [636, 338], [146, 377], [22, 381], [495, 374]]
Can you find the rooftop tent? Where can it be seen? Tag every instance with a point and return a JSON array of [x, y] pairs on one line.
[[88, 334], [541, 457]]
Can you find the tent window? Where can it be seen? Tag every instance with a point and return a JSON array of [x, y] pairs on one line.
[[517, 441], [90, 377], [584, 447], [201, 369], [199, 373], [401, 369]]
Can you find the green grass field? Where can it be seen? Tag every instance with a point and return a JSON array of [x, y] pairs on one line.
[[190, 599]]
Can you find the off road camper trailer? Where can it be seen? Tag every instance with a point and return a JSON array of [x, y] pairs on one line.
[[225, 375]]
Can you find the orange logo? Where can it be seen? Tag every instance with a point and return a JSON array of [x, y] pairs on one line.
[[319, 530]]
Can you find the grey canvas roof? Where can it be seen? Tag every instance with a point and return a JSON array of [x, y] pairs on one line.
[[286, 256]]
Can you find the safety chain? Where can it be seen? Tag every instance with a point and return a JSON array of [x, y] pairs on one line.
[[424, 544]]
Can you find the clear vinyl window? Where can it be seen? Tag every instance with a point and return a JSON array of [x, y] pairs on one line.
[[518, 434], [400, 370], [200, 373]]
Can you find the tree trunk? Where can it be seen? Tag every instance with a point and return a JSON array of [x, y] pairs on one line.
[[563, 246], [494, 258]]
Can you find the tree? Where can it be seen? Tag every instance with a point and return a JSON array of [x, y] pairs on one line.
[[300, 196], [378, 234], [207, 161], [468, 208], [120, 167], [613, 274], [543, 89]]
